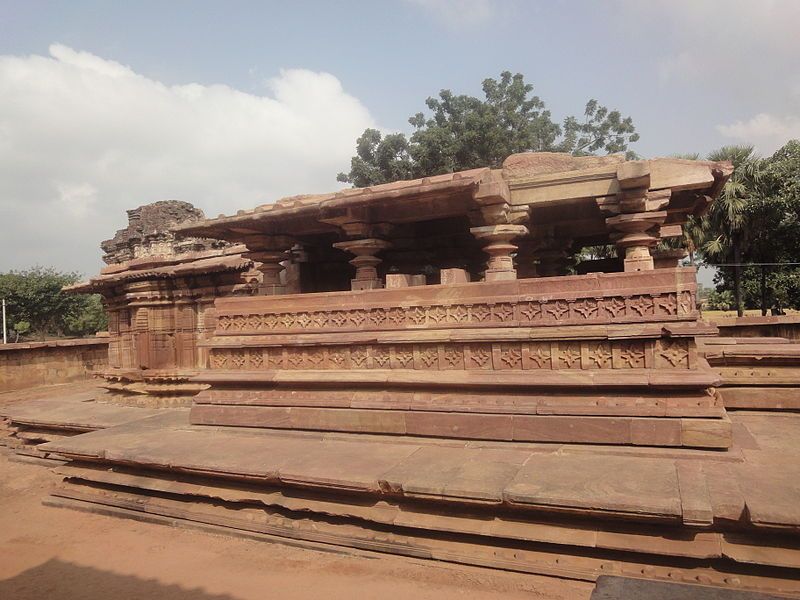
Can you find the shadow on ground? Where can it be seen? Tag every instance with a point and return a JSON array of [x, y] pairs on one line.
[[67, 581]]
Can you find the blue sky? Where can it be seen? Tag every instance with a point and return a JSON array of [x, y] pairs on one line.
[[108, 105]]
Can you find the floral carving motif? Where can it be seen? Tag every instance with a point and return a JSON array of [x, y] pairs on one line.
[[417, 315], [404, 357], [535, 355], [558, 309], [338, 318], [337, 357], [642, 305], [458, 314], [453, 357], [541, 356], [429, 356], [357, 317], [359, 356], [480, 312], [315, 357], [614, 306], [673, 353], [632, 356], [503, 311], [511, 356], [396, 316], [380, 356], [686, 302], [600, 355], [586, 308], [570, 356], [437, 314], [239, 360], [668, 303], [480, 356], [531, 310]]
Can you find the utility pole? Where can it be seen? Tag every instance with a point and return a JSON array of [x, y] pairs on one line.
[[5, 335]]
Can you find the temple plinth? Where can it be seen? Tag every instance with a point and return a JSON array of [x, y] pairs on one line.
[[551, 423]]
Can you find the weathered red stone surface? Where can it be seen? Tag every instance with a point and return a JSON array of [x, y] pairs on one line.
[[33, 364], [411, 370], [755, 372], [686, 515]]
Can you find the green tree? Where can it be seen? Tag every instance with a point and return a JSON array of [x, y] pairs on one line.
[[770, 234], [464, 132], [724, 229], [34, 296]]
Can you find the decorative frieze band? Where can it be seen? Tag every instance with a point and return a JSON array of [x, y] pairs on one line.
[[522, 312], [587, 354]]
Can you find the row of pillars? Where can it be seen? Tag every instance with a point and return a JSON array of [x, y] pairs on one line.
[[634, 232]]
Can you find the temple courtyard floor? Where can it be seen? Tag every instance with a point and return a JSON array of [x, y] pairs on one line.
[[52, 552]]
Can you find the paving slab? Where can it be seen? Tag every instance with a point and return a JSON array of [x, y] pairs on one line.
[[607, 484], [77, 412]]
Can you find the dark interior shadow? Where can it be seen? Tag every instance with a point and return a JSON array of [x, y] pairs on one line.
[[66, 581]]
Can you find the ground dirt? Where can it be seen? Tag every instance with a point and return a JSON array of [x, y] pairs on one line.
[[50, 552]]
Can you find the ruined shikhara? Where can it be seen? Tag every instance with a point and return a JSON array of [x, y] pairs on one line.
[[407, 368]]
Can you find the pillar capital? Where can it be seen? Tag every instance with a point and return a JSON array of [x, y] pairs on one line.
[[365, 261], [270, 252], [497, 240], [638, 216]]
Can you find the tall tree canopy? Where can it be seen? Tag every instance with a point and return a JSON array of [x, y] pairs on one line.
[[463, 132], [36, 304], [755, 223]]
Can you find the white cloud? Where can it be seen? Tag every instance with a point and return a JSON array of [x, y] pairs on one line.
[[719, 42], [459, 14], [767, 132], [83, 138]]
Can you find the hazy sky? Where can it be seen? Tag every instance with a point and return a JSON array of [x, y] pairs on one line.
[[105, 106]]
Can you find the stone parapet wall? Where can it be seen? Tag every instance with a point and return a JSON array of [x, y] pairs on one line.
[[786, 326], [42, 363]]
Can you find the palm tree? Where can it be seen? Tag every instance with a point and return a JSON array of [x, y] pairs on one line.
[[723, 230]]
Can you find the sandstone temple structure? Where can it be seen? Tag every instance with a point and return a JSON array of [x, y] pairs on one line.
[[423, 368]]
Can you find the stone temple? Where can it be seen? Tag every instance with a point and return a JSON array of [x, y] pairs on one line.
[[410, 368]]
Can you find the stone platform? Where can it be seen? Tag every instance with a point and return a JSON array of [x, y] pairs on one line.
[[761, 373], [723, 518], [25, 425]]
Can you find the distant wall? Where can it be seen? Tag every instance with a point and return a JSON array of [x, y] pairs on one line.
[[40, 363], [787, 326]]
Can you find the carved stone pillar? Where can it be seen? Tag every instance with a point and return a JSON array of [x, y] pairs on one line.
[[635, 228], [497, 238], [270, 252], [637, 232], [365, 261]]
